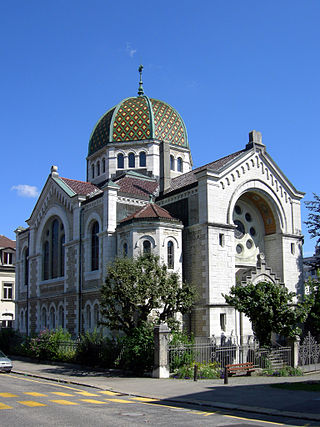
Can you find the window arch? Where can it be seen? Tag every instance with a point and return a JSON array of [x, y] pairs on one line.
[[98, 168], [132, 160], [95, 246], [170, 254], [146, 247], [53, 249], [88, 318], [26, 266], [125, 249], [103, 165], [61, 316], [120, 161], [171, 162], [92, 171], [43, 318], [52, 318], [96, 315], [142, 159], [179, 164]]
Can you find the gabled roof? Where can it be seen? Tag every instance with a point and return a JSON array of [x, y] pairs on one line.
[[80, 188], [5, 242], [150, 211], [189, 178], [137, 185]]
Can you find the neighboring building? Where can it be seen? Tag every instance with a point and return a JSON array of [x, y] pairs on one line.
[[7, 281], [235, 219], [311, 265]]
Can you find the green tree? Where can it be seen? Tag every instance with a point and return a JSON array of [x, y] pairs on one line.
[[313, 222], [312, 298], [135, 289], [270, 308]]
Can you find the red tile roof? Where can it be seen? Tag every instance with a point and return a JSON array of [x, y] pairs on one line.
[[81, 187], [5, 242], [190, 178], [137, 187], [151, 210]]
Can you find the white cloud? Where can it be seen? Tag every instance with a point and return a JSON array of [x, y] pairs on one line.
[[130, 51], [25, 190]]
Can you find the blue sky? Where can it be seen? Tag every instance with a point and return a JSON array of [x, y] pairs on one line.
[[228, 67]]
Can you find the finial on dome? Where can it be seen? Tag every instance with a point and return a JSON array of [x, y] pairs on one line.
[[54, 171], [140, 90]]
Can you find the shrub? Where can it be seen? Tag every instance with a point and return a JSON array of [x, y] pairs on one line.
[[183, 354], [286, 371], [137, 349], [47, 345], [9, 340], [205, 371]]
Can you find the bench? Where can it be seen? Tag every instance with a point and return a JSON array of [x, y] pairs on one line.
[[240, 367]]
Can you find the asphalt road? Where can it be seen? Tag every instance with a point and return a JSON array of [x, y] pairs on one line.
[[31, 402]]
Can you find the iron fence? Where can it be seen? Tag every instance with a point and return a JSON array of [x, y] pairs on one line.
[[309, 354], [209, 352]]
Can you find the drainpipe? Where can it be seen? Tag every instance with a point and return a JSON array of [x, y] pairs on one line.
[[80, 275], [27, 322]]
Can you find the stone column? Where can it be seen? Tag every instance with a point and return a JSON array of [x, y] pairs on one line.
[[161, 359], [295, 344]]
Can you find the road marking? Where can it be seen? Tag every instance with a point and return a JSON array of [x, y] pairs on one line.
[[252, 419], [34, 393], [60, 393], [8, 395], [98, 402], [144, 399], [64, 402], [86, 393], [4, 406], [31, 403], [120, 401], [110, 393]]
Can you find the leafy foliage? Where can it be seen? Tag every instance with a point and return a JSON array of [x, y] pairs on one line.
[[312, 298], [313, 223], [270, 309], [47, 345], [136, 289]]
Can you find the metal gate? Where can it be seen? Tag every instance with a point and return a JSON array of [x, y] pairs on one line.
[[309, 354]]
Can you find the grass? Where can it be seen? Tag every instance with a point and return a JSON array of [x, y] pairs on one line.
[[299, 386]]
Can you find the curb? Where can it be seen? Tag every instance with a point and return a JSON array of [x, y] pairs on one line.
[[206, 403]]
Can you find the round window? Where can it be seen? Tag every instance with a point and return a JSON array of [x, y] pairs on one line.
[[238, 210], [249, 244], [248, 217], [239, 249], [240, 230], [252, 231]]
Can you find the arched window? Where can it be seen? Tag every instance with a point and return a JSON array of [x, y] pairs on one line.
[[62, 252], [120, 159], [98, 168], [61, 316], [103, 165], [53, 249], [43, 318], [172, 162], [22, 324], [132, 160], [46, 262], [96, 315], [146, 247], [88, 318], [170, 248], [92, 171], [52, 320], [142, 159], [125, 249], [179, 165], [26, 266], [95, 246]]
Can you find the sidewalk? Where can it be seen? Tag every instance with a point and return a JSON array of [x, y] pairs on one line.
[[251, 394]]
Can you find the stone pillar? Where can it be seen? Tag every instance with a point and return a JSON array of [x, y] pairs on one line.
[[161, 359], [294, 344]]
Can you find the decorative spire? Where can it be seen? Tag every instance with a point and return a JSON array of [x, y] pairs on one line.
[[140, 90]]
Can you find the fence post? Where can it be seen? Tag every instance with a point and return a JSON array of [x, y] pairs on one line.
[[161, 360], [294, 344]]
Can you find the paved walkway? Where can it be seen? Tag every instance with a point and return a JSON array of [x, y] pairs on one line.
[[252, 394]]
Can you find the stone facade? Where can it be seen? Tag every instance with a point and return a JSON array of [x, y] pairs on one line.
[[234, 220]]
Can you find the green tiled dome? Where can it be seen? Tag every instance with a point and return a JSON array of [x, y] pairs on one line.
[[137, 119]]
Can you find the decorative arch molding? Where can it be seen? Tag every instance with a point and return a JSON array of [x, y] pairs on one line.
[[54, 211], [166, 240], [92, 218], [140, 240], [258, 186]]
